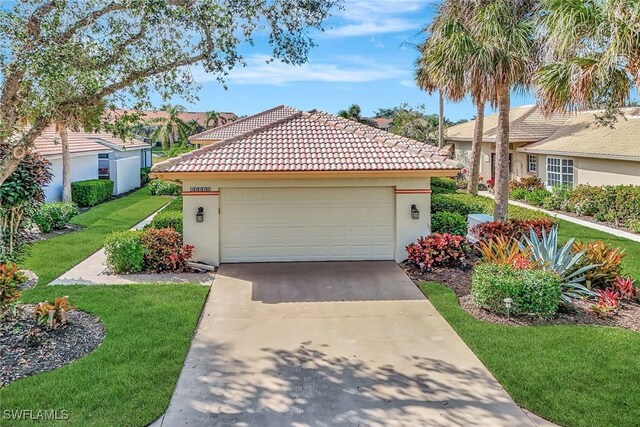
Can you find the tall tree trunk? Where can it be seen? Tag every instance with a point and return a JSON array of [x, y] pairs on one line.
[[476, 149], [440, 120], [66, 164], [501, 189]]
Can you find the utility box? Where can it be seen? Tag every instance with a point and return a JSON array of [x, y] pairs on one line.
[[472, 221]]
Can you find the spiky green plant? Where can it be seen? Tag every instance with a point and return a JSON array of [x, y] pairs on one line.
[[547, 255]]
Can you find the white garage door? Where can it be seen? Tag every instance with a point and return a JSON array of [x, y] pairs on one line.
[[306, 224]]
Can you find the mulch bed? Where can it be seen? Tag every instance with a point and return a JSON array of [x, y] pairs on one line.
[[27, 348], [459, 280], [35, 235]]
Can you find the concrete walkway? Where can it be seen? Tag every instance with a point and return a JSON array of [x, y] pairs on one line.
[[584, 223], [323, 344], [93, 271]]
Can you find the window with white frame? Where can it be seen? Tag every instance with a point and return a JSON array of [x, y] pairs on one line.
[[532, 163], [559, 172]]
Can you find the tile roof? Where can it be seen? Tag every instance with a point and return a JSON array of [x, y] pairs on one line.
[[527, 124], [243, 125], [198, 116], [291, 140], [80, 142], [580, 136]]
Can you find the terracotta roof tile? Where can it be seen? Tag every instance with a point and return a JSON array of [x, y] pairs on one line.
[[285, 139], [48, 143]]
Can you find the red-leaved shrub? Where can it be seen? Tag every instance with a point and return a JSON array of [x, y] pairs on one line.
[[514, 228], [164, 250], [439, 250], [625, 287]]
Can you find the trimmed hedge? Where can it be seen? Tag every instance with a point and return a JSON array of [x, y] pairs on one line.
[[91, 192], [144, 176], [124, 251], [160, 187], [465, 204], [167, 219], [449, 222], [443, 185], [533, 291], [54, 216]]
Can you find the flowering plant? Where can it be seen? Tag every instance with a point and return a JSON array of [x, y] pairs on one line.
[[439, 250]]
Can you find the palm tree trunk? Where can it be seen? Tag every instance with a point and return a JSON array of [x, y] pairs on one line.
[[66, 164], [501, 188], [476, 148], [440, 120]]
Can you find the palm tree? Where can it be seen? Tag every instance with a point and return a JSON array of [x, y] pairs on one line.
[[591, 54], [173, 128], [454, 63], [215, 117], [354, 112]]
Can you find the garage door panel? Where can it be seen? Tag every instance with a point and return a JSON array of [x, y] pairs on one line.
[[315, 224]]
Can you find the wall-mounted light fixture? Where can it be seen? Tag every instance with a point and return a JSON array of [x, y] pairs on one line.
[[415, 213], [200, 215]]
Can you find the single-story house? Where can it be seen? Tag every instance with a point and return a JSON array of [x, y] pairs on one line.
[[565, 148], [94, 155], [288, 185]]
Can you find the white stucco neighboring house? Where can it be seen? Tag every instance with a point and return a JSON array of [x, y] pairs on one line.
[[288, 185], [94, 155], [562, 149]]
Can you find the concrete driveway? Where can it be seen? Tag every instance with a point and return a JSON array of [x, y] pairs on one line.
[[323, 344]]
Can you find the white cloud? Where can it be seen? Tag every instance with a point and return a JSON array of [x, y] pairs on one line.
[[408, 83], [259, 72], [366, 18]]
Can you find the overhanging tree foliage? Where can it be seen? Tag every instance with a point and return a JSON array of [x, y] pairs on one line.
[[75, 58]]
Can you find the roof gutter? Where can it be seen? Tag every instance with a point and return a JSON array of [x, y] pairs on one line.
[[578, 154]]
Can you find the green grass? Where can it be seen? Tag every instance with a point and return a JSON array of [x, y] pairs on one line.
[[571, 375], [129, 379], [52, 257]]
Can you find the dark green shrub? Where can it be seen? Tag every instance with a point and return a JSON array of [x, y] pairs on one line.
[[144, 176], [54, 216], [167, 219], [21, 194], [518, 193], [124, 251], [455, 203], [159, 187], [91, 192], [537, 197], [532, 291], [449, 222], [443, 185]]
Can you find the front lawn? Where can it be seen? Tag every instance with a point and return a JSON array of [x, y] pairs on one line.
[[129, 379], [571, 375], [52, 257]]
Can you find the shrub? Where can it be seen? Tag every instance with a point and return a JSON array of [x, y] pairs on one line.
[[167, 219], [159, 187], [537, 197], [513, 228], [174, 206], [449, 203], [91, 192], [164, 250], [625, 287], [10, 279], [439, 250], [587, 200], [54, 216], [505, 251], [124, 250], [449, 222], [53, 315], [531, 183], [606, 259], [532, 291], [633, 225], [443, 185], [144, 176], [559, 198], [21, 194], [518, 194]]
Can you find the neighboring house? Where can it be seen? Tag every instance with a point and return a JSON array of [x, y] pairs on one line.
[[567, 148], [93, 156], [288, 185], [383, 123]]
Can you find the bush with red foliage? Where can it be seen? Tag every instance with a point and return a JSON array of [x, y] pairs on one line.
[[514, 228], [164, 250], [625, 287], [439, 250]]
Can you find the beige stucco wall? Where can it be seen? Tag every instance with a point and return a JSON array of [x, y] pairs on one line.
[[591, 171], [204, 236]]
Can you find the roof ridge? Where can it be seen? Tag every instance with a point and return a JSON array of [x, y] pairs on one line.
[[242, 120], [228, 141], [383, 137]]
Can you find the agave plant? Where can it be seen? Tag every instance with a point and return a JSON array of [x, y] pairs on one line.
[[546, 255]]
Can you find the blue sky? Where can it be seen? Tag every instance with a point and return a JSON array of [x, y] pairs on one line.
[[365, 56]]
